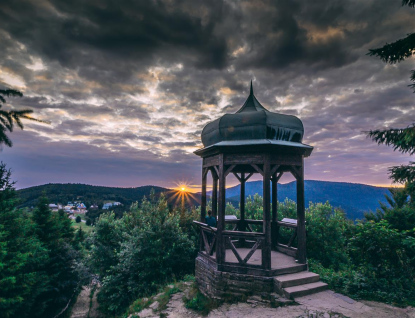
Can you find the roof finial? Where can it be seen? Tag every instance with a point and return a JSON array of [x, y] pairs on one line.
[[251, 92]]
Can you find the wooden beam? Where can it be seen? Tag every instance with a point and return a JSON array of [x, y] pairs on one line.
[[203, 204], [295, 172], [220, 243], [229, 170], [274, 169], [258, 169], [215, 196], [301, 230], [274, 199], [252, 251], [278, 176], [204, 172], [213, 172], [266, 247], [249, 175], [237, 177], [242, 234], [242, 197], [235, 251], [217, 170], [212, 246]]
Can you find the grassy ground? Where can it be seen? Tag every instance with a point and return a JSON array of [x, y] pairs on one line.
[[84, 227]]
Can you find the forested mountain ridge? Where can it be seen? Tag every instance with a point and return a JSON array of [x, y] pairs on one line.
[[89, 194], [353, 198]]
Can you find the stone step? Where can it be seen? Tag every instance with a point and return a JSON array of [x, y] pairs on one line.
[[295, 279], [304, 290]]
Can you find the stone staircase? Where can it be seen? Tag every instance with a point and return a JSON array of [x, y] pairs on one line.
[[298, 284]]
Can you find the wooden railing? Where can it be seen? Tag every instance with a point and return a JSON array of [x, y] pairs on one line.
[[252, 239], [248, 223], [208, 235], [288, 248], [234, 239]]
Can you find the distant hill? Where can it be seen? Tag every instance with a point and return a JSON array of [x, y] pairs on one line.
[[354, 198], [63, 193]]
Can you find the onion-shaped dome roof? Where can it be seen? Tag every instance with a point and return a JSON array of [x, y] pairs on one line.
[[253, 122]]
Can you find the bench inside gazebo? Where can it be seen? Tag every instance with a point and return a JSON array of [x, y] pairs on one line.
[[242, 255]]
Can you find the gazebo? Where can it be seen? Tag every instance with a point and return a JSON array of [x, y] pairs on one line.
[[233, 258]]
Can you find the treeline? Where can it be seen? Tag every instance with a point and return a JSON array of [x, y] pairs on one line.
[[40, 257], [43, 262], [88, 194]]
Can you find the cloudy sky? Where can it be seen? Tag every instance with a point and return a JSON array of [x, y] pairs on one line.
[[129, 85]]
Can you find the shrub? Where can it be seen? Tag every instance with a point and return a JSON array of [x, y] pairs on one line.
[[153, 250], [78, 219], [327, 234]]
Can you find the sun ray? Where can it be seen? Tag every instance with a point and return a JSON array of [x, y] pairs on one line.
[[182, 193]]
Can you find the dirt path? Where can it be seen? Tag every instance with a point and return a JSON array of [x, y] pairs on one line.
[[81, 307], [325, 304], [84, 307]]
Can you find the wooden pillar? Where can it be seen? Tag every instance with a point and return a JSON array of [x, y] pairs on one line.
[[203, 199], [274, 226], [203, 206], [220, 247], [215, 195], [301, 230], [266, 247], [242, 196]]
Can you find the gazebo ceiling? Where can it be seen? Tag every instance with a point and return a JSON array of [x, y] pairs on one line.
[[253, 122]]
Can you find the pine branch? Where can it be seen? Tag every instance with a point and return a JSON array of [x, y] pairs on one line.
[[403, 173], [409, 3], [412, 79], [10, 92], [397, 51], [4, 138], [402, 140]]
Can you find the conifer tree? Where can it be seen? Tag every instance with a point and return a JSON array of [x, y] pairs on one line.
[[21, 254], [57, 235], [402, 139], [10, 117]]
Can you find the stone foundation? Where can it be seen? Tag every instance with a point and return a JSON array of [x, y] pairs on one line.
[[217, 284]]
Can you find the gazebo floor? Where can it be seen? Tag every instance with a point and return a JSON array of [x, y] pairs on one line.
[[278, 260]]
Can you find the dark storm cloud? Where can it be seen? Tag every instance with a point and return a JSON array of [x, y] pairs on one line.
[[131, 84], [106, 38]]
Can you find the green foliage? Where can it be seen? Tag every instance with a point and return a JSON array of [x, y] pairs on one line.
[[402, 139], [21, 254], [373, 259], [253, 207], [39, 268], [94, 195], [138, 253], [11, 117], [78, 219], [106, 242], [198, 302], [327, 233], [56, 234], [383, 251], [382, 269]]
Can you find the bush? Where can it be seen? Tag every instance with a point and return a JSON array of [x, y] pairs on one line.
[[78, 219], [150, 250], [328, 231]]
